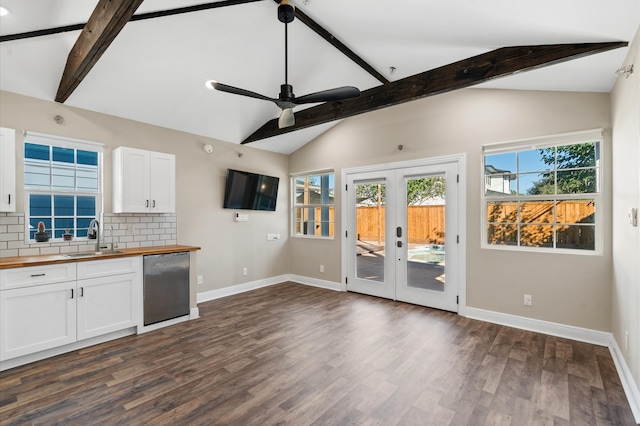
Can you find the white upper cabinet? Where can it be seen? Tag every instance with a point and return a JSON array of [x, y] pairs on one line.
[[143, 181], [7, 170]]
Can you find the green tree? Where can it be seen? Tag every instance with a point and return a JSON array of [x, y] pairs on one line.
[[418, 191], [575, 171]]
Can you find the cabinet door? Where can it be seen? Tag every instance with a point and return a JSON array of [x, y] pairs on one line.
[[7, 170], [106, 304], [163, 182], [131, 180], [36, 318]]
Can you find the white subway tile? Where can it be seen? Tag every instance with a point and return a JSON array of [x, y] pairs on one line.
[[9, 236], [133, 245], [8, 253], [29, 252], [50, 250], [9, 220]]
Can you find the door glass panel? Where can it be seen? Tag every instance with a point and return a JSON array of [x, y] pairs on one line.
[[425, 232], [370, 235]]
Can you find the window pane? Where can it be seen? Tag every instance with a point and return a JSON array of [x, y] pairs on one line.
[[83, 226], [38, 152], [536, 212], [578, 155], [62, 176], [63, 205], [499, 163], [500, 184], [536, 160], [87, 206], [61, 225], [580, 237], [33, 225], [88, 157], [578, 211], [536, 184], [502, 234], [536, 235], [502, 212], [63, 155], [577, 181], [39, 205], [37, 175]]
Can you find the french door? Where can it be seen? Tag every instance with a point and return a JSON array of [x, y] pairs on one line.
[[402, 234]]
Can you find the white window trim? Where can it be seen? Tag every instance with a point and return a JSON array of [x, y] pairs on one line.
[[593, 135], [292, 177], [78, 144]]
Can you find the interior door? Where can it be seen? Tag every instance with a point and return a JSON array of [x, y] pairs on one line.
[[402, 234]]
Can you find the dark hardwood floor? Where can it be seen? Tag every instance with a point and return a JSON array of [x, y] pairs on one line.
[[293, 354]]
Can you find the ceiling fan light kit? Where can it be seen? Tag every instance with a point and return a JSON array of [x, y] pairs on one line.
[[286, 100]]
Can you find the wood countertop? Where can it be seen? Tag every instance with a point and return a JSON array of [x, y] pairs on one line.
[[20, 261]]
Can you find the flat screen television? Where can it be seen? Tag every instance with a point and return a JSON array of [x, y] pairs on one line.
[[250, 191]]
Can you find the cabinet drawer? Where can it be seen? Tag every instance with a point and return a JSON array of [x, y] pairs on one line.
[[37, 275], [107, 267]]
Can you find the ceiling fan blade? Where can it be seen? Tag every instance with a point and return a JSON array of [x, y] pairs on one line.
[[212, 84], [286, 119], [337, 94]]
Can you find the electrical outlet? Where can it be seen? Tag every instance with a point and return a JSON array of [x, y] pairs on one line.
[[199, 279], [245, 271], [528, 300], [321, 268], [129, 230]]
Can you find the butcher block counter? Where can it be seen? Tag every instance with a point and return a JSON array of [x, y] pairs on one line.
[[22, 261]]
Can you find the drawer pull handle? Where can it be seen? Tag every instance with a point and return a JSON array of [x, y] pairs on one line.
[[38, 275], [81, 291], [72, 293]]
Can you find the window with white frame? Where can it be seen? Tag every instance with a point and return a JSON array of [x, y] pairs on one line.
[[544, 194], [313, 205], [62, 182]]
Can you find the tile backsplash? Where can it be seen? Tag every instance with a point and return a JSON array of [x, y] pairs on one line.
[[125, 230]]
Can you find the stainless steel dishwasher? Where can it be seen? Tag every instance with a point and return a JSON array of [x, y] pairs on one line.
[[166, 286]]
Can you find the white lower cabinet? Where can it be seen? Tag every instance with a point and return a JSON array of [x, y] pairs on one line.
[[36, 317], [106, 304]]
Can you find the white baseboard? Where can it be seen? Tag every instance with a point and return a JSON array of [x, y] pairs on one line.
[[595, 337], [628, 384], [194, 313], [240, 288], [314, 282]]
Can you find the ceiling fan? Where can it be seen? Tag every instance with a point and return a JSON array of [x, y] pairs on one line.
[[286, 100]]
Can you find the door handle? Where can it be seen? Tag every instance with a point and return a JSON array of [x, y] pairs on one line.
[[146, 203], [399, 232], [154, 203], [399, 244]]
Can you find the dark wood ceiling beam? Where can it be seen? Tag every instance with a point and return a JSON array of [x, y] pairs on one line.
[[105, 23], [467, 72], [138, 17]]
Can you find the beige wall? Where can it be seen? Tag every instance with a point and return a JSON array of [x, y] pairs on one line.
[[227, 246], [625, 112], [566, 289]]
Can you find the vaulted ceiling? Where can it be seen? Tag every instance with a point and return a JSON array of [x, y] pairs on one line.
[[155, 68]]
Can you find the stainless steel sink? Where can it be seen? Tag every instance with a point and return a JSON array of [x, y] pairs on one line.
[[91, 253]]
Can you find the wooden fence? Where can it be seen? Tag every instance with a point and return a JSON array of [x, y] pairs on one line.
[[425, 223]]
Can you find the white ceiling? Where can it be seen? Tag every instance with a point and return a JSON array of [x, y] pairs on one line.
[[155, 70]]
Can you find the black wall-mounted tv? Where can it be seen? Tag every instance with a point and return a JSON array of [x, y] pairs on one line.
[[250, 191]]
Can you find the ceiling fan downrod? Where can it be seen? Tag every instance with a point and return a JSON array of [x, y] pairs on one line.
[[286, 14]]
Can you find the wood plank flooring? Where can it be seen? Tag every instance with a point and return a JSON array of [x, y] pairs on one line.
[[296, 355]]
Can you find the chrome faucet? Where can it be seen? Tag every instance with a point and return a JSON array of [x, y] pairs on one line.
[[95, 223]]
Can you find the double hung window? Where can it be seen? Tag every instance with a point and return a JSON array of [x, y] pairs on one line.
[[544, 194], [62, 182], [313, 203]]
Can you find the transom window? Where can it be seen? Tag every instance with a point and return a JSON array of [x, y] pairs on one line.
[[62, 181], [544, 194], [313, 205]]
